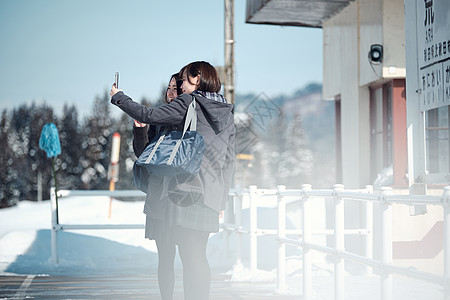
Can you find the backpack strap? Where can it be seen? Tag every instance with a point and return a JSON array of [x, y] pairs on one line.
[[191, 122]]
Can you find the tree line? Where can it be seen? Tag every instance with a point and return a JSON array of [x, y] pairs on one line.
[[85, 150], [277, 154]]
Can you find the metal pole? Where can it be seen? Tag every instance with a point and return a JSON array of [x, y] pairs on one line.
[[369, 226], [386, 243], [281, 278], [238, 222], [307, 260], [226, 231], [39, 186], [446, 203], [229, 51], [54, 236], [339, 281], [253, 228]]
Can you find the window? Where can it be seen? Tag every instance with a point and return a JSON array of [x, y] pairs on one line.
[[380, 128], [437, 140]]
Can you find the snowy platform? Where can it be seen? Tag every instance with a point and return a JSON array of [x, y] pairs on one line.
[[121, 264], [119, 287]]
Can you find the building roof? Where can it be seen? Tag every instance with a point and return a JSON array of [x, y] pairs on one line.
[[305, 13]]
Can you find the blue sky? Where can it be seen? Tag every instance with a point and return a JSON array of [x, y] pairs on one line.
[[67, 51]]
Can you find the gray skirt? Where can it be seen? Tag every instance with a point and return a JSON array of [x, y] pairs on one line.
[[195, 217]]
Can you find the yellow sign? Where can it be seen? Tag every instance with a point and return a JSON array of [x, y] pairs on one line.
[[245, 156]]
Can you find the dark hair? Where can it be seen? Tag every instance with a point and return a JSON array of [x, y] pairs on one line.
[[209, 78], [179, 81]]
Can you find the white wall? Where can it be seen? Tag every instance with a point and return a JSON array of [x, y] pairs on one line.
[[341, 77], [371, 32], [348, 73], [331, 60], [394, 39]]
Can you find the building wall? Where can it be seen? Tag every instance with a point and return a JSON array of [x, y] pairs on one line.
[[347, 72], [371, 32], [341, 78], [394, 64]]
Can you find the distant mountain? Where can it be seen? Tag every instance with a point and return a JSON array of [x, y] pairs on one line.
[[316, 113], [317, 119]]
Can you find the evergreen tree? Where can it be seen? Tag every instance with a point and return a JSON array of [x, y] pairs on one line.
[[8, 189], [296, 161], [246, 138], [20, 123], [282, 155], [126, 155], [71, 154], [267, 151], [97, 145]]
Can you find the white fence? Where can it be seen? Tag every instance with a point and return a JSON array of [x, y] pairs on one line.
[[384, 265], [56, 226], [305, 196]]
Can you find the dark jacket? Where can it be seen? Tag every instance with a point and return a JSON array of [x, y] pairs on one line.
[[143, 136], [216, 125]]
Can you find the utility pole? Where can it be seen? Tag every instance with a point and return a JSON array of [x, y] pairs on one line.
[[229, 51]]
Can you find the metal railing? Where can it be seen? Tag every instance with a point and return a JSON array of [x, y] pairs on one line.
[[57, 226], [384, 265]]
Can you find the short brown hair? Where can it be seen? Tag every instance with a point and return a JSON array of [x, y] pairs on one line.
[[209, 78]]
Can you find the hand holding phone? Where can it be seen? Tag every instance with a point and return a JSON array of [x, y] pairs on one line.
[[116, 80], [115, 87]]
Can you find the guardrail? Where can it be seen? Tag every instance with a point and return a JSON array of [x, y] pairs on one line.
[[56, 226], [384, 265]]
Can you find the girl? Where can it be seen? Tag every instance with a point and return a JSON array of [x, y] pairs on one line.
[[155, 228], [186, 210]]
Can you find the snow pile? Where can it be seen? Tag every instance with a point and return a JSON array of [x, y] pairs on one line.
[[25, 239], [384, 178], [241, 274]]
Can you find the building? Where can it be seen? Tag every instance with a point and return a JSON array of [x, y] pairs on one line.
[[387, 68]]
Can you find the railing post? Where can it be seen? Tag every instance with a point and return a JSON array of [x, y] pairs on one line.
[[253, 228], [54, 235], [386, 243], [306, 252], [237, 220], [339, 280], [281, 209], [226, 231], [446, 204], [369, 226]]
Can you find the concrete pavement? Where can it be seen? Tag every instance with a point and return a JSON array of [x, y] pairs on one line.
[[117, 287]]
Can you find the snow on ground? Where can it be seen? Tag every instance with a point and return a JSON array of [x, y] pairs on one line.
[[25, 248]]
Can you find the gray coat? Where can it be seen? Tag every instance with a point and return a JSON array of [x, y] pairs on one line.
[[216, 125]]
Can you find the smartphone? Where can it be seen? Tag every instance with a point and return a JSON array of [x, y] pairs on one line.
[[116, 80]]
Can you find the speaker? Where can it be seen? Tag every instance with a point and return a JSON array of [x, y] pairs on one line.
[[376, 54]]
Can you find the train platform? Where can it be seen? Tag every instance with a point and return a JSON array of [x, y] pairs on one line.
[[115, 286]]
